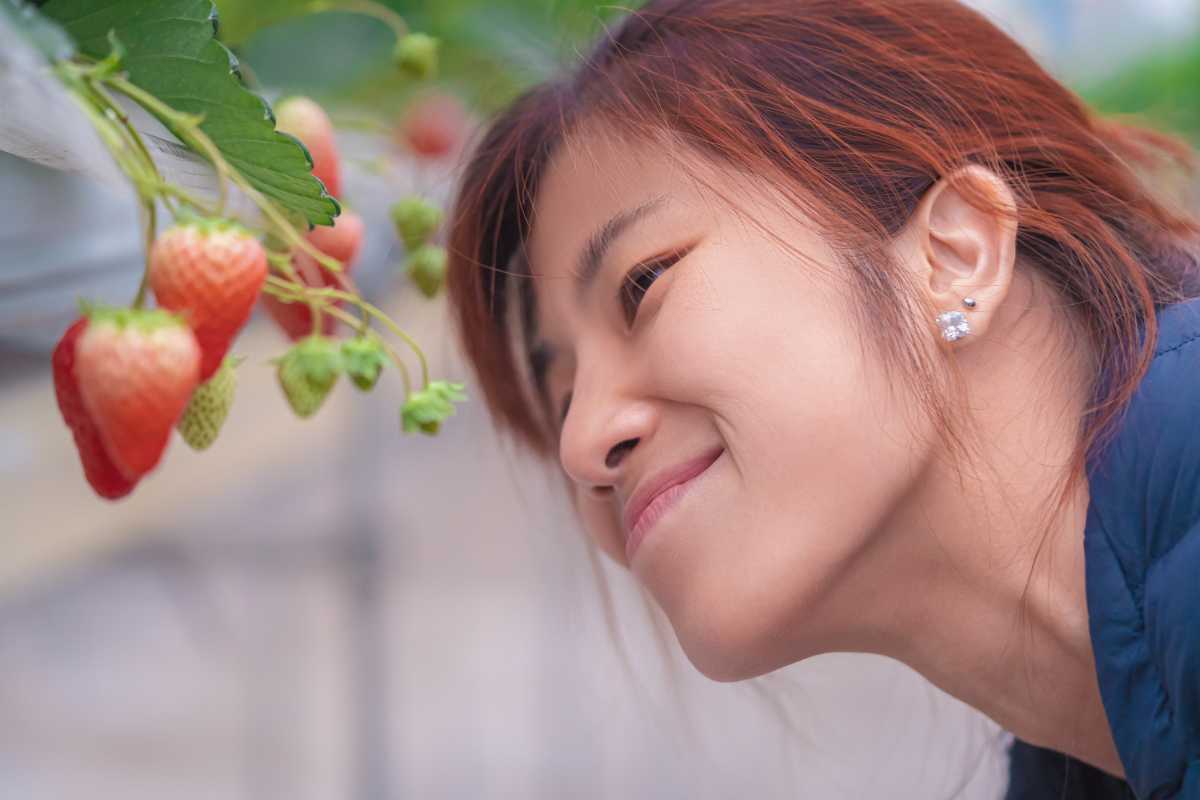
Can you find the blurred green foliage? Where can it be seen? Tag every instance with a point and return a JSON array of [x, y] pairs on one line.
[[489, 50], [492, 49], [1163, 88]]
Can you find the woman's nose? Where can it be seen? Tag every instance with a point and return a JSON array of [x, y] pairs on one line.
[[600, 431]]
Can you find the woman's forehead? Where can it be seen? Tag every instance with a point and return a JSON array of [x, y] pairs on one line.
[[595, 178], [589, 180]]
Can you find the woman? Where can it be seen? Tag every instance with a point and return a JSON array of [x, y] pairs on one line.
[[854, 331]]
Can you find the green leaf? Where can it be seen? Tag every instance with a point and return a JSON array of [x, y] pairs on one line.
[[172, 52], [42, 33]]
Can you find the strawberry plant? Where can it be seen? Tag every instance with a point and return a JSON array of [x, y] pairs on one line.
[[272, 231]]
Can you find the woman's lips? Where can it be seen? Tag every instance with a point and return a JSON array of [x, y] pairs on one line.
[[659, 493]]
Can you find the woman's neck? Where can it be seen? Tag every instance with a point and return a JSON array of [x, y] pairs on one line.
[[1010, 637], [963, 587]]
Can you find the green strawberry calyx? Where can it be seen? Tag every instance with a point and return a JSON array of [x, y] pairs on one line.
[[208, 225], [145, 320], [363, 360], [424, 410]]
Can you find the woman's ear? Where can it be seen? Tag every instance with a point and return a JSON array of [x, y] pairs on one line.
[[964, 237]]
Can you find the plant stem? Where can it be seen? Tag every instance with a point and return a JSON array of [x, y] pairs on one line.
[[354, 299], [290, 295], [366, 8], [127, 149], [151, 229]]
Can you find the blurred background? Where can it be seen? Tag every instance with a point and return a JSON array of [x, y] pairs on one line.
[[327, 609]]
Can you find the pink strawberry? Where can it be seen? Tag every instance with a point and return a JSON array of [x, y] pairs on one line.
[[434, 126], [105, 479], [135, 370], [341, 241], [303, 118], [210, 271]]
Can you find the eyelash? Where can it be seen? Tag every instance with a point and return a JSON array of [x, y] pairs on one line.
[[634, 286], [639, 280]]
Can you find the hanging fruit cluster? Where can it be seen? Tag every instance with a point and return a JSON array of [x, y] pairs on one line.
[[125, 377]]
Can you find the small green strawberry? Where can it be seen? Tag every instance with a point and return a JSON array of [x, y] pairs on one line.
[[425, 409], [307, 372], [427, 268], [363, 359], [416, 55], [415, 219], [209, 406]]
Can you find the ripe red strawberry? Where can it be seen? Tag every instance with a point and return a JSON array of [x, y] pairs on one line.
[[341, 241], [434, 126], [98, 468], [135, 370], [210, 271], [303, 118]]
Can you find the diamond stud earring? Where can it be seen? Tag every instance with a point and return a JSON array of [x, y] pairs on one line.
[[954, 325]]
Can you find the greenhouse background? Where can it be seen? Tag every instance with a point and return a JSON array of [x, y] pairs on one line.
[[328, 609]]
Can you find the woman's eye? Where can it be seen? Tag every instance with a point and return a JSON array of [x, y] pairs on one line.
[[639, 280]]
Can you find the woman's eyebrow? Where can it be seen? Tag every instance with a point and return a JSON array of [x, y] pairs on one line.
[[592, 255]]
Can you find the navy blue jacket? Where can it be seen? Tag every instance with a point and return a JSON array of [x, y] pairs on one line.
[[1142, 553]]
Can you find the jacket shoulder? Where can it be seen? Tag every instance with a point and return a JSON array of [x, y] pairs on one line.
[[1142, 545]]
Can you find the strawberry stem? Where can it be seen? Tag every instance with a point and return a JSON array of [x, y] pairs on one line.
[[364, 7], [125, 145], [150, 219], [296, 295], [309, 292]]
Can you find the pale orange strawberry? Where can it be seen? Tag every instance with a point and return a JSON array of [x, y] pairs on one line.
[[103, 476], [135, 371], [303, 118], [434, 126], [210, 272]]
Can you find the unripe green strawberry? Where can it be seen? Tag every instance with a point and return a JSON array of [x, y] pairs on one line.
[[416, 219], [307, 372], [427, 268], [425, 410], [209, 406], [416, 55], [363, 360]]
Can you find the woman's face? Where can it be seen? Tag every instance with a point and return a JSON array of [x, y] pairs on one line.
[[734, 361]]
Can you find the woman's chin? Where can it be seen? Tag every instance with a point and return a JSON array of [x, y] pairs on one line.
[[730, 652], [726, 667]]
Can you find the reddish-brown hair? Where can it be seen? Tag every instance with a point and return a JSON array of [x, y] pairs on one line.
[[855, 108]]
